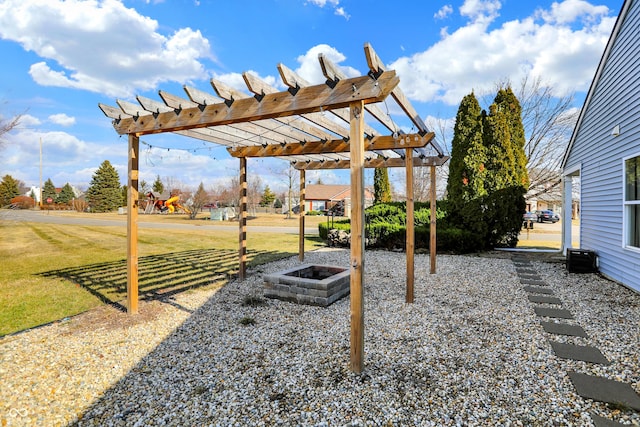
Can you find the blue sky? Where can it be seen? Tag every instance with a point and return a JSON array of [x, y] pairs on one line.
[[61, 58]]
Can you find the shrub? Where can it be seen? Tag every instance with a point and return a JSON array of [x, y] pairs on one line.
[[323, 228], [313, 213], [23, 202]]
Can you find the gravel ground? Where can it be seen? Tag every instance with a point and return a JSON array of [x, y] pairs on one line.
[[470, 351]]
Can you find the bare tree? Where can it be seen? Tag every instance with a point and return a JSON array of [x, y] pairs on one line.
[[422, 175], [7, 126]]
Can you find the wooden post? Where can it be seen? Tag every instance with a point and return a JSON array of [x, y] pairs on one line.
[[432, 228], [410, 225], [356, 140], [302, 210], [132, 224], [242, 220]]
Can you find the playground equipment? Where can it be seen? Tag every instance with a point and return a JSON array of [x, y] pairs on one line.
[[173, 203], [170, 205]]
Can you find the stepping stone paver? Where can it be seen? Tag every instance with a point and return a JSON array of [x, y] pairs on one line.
[[605, 390], [533, 282], [543, 299], [538, 290], [526, 271], [599, 421], [559, 313], [585, 353], [563, 329]]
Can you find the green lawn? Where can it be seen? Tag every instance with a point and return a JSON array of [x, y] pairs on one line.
[[52, 271]]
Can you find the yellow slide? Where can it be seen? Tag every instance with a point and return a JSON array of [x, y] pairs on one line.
[[173, 203]]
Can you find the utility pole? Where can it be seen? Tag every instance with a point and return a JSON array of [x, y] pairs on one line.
[[40, 173]]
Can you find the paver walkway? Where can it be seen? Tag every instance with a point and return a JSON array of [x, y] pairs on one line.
[[587, 386]]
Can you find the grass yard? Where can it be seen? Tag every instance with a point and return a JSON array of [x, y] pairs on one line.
[[52, 271]]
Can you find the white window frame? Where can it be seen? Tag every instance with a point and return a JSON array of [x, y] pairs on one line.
[[625, 205]]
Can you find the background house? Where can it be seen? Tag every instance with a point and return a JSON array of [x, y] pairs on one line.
[[321, 197], [604, 151]]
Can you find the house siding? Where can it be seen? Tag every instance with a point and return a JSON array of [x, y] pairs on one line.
[[615, 100]]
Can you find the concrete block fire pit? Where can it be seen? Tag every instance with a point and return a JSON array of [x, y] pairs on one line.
[[320, 285]]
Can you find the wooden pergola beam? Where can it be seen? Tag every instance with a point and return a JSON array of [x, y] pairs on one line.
[[377, 67], [307, 100], [292, 127], [371, 163], [357, 236], [335, 146]]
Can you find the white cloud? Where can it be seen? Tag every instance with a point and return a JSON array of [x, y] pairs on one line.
[[569, 11], [475, 57], [480, 10], [27, 121], [310, 69], [88, 45], [444, 11], [334, 3], [341, 12], [62, 119]]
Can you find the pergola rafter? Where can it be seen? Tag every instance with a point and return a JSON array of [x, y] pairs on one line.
[[292, 125]]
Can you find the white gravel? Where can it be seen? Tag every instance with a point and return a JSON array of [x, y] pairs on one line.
[[470, 351]]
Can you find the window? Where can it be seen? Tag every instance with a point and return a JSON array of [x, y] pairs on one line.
[[632, 201]]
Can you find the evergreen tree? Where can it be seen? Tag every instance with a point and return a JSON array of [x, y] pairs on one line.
[[66, 194], [497, 141], [125, 195], [381, 186], [467, 168], [49, 191], [510, 105], [505, 140], [8, 190], [104, 193], [268, 197], [157, 186]]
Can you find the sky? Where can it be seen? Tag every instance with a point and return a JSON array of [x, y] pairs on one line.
[[61, 58]]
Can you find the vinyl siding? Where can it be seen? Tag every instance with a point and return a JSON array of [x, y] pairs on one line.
[[615, 101]]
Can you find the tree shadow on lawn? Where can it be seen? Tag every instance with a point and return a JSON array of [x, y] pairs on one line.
[[162, 275]]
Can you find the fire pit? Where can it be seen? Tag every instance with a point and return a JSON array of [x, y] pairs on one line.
[[320, 285]]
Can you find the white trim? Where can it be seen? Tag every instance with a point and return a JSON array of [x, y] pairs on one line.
[[625, 203], [567, 212]]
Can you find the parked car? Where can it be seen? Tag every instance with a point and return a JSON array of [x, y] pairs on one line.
[[547, 215]]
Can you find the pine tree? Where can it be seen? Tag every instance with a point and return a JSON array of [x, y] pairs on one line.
[[8, 190], [511, 107], [66, 194], [467, 168], [104, 193], [504, 140], [268, 197], [157, 186], [49, 191], [381, 186]]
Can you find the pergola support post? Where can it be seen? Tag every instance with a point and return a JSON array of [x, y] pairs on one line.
[[432, 225], [132, 224], [302, 212], [242, 252], [356, 134], [410, 243]]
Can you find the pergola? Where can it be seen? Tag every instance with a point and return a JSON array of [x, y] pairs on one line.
[[313, 127]]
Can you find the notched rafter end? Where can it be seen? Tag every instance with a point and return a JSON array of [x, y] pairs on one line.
[[294, 90]]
